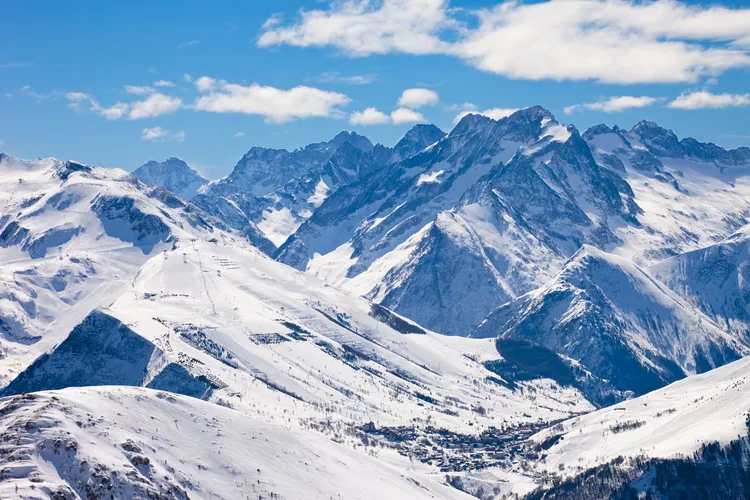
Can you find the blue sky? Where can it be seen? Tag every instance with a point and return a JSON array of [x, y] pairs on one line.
[[65, 66]]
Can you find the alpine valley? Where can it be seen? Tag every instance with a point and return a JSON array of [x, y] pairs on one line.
[[512, 309]]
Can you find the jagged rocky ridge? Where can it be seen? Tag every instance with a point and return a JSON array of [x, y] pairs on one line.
[[505, 203]]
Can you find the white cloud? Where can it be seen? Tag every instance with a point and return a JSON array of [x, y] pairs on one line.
[[79, 100], [404, 115], [370, 116], [205, 84], [276, 105], [364, 27], [614, 41], [704, 100], [336, 77], [163, 83], [187, 78], [494, 113], [417, 98], [189, 43], [614, 104], [158, 134], [373, 116], [135, 90], [154, 105], [238, 134]]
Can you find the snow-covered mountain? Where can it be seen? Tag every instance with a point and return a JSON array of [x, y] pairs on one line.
[[278, 189], [509, 200], [692, 194], [418, 138], [221, 321], [173, 174], [690, 439], [618, 321], [195, 309], [121, 442], [715, 280], [71, 237], [571, 271], [205, 314], [505, 203], [517, 224]]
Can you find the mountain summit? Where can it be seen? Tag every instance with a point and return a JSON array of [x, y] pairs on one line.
[[173, 174]]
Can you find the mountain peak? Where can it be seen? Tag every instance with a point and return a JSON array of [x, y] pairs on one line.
[[660, 141], [353, 138], [417, 138], [471, 123], [600, 129], [174, 174], [532, 113]]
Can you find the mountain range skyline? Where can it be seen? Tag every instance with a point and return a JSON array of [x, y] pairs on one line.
[[167, 93], [741, 145]]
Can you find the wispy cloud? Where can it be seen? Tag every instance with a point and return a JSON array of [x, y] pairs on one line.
[[274, 104], [614, 104], [613, 41], [336, 77], [158, 134], [81, 101], [238, 134], [40, 96], [188, 44], [156, 104], [16, 64], [706, 100], [136, 90], [163, 83]]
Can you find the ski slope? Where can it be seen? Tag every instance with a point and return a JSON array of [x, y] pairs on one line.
[[674, 420], [122, 442]]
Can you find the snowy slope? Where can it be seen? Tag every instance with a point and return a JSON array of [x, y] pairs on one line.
[[173, 174], [618, 321], [692, 194], [71, 237], [224, 322], [715, 279], [673, 420], [123, 442]]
